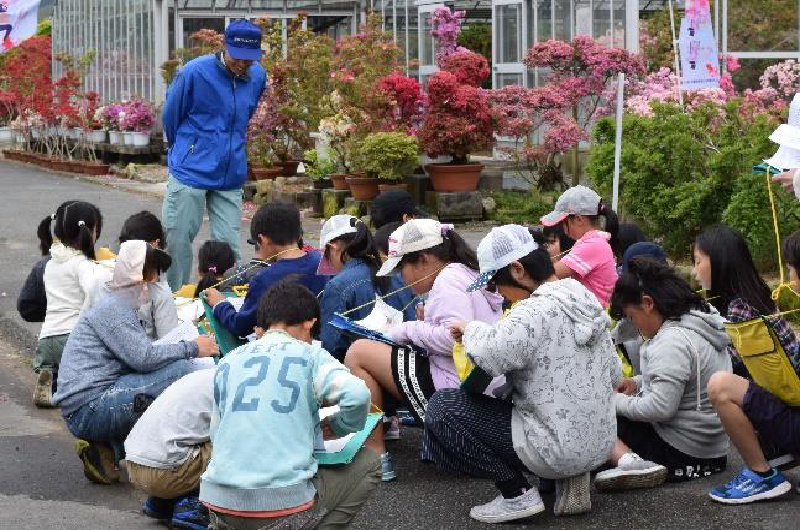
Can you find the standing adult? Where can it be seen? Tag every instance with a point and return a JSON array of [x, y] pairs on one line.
[[206, 113]]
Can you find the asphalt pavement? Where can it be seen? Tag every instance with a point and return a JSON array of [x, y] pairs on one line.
[[42, 485]]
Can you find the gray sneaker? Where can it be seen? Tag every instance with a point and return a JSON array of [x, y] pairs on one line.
[[501, 509], [573, 495], [43, 393], [387, 469], [631, 472]]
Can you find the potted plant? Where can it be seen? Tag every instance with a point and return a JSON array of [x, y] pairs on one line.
[[109, 119], [260, 137], [363, 185], [457, 122], [389, 156], [318, 168], [336, 131], [137, 120]]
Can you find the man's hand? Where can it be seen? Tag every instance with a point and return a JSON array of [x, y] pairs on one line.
[[628, 387], [457, 330], [207, 346], [213, 296], [785, 179]]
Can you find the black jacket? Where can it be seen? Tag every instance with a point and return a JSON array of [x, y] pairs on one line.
[[32, 300]]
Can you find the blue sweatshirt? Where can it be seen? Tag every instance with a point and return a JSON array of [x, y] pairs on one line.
[[350, 288], [267, 396], [108, 342], [241, 323], [205, 119]]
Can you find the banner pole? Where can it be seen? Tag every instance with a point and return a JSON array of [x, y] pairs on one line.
[[618, 141]]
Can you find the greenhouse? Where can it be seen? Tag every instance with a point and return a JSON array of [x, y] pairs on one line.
[[132, 38]]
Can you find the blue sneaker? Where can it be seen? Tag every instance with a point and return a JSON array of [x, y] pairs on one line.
[[158, 508], [190, 514], [748, 487]]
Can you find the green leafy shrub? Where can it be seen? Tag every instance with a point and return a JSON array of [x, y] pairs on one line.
[[679, 170], [517, 207], [749, 212], [389, 155], [317, 167]]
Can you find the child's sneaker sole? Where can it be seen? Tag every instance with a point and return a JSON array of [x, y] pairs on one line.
[[615, 480], [573, 495], [43, 393], [510, 516], [781, 489]]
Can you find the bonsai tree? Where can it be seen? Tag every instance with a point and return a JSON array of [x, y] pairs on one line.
[[389, 155], [457, 120]]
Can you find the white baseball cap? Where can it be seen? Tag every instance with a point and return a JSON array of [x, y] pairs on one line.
[[502, 246], [335, 227], [578, 200], [415, 235]]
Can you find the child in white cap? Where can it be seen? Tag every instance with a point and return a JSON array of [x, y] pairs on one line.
[[591, 259], [432, 259], [555, 349]]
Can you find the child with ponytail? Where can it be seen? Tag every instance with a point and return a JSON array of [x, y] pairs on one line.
[[214, 258], [591, 259], [68, 277]]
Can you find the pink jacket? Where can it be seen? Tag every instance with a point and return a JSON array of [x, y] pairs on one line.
[[449, 301]]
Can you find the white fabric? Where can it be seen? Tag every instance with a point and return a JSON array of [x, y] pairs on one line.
[[337, 226], [68, 277], [504, 245], [415, 235], [785, 158], [130, 264], [796, 182], [175, 424], [788, 134]]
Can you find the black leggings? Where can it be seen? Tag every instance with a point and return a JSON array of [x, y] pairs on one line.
[[7, 28], [471, 434]]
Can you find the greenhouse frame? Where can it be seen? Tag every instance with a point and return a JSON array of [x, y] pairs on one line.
[[132, 38]]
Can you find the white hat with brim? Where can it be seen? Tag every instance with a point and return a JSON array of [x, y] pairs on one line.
[[502, 246], [415, 235], [333, 228], [787, 136], [578, 200]]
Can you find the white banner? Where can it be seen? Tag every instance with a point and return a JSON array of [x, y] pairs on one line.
[[18, 20], [698, 47]]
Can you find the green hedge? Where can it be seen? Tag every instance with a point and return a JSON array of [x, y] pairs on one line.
[[682, 172]]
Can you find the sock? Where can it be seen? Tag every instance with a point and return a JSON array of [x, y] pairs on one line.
[[513, 488], [765, 474]]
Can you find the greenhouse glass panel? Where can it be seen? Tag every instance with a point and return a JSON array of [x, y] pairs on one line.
[[583, 17], [619, 23], [544, 20], [562, 20], [192, 25], [509, 33], [601, 22]]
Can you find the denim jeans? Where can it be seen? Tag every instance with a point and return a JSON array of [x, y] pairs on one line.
[[182, 215], [110, 417]]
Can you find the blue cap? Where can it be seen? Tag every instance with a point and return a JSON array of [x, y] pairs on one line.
[[642, 249], [243, 40]]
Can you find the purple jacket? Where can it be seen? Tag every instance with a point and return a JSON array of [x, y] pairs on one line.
[[449, 301]]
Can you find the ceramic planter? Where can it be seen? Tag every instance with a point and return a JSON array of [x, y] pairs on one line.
[[127, 138], [266, 173], [454, 177], [392, 185], [362, 188], [338, 180], [97, 137], [140, 139], [288, 168], [115, 137]]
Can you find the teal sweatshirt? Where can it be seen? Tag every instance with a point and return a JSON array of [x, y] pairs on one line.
[[265, 420]]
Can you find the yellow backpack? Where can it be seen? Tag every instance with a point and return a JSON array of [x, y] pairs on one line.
[[765, 359]]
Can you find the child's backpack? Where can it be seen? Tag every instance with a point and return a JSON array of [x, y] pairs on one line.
[[765, 359]]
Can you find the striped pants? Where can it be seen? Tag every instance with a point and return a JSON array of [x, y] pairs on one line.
[[471, 434]]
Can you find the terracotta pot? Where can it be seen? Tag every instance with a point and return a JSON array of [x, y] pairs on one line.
[[266, 173], [362, 188], [454, 177], [288, 168], [396, 186], [338, 180], [322, 184]]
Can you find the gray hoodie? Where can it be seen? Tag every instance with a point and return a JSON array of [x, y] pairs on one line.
[[556, 350], [676, 366]]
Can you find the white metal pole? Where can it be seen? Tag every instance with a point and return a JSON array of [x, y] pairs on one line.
[[618, 140], [675, 48]]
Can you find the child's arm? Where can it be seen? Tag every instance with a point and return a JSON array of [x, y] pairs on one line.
[[241, 323], [165, 313], [333, 340], [507, 345], [335, 384]]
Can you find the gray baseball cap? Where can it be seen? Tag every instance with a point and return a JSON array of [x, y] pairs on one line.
[[578, 200]]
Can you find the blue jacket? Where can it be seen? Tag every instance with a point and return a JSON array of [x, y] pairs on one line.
[[351, 288], [265, 420], [205, 118], [241, 323]]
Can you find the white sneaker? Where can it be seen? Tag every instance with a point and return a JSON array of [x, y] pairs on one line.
[[501, 509], [631, 472], [573, 495]]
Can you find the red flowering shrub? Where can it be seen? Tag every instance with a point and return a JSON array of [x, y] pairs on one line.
[[457, 120], [470, 68], [406, 93]]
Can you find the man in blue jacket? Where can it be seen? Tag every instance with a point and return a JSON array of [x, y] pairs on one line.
[[208, 107]]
